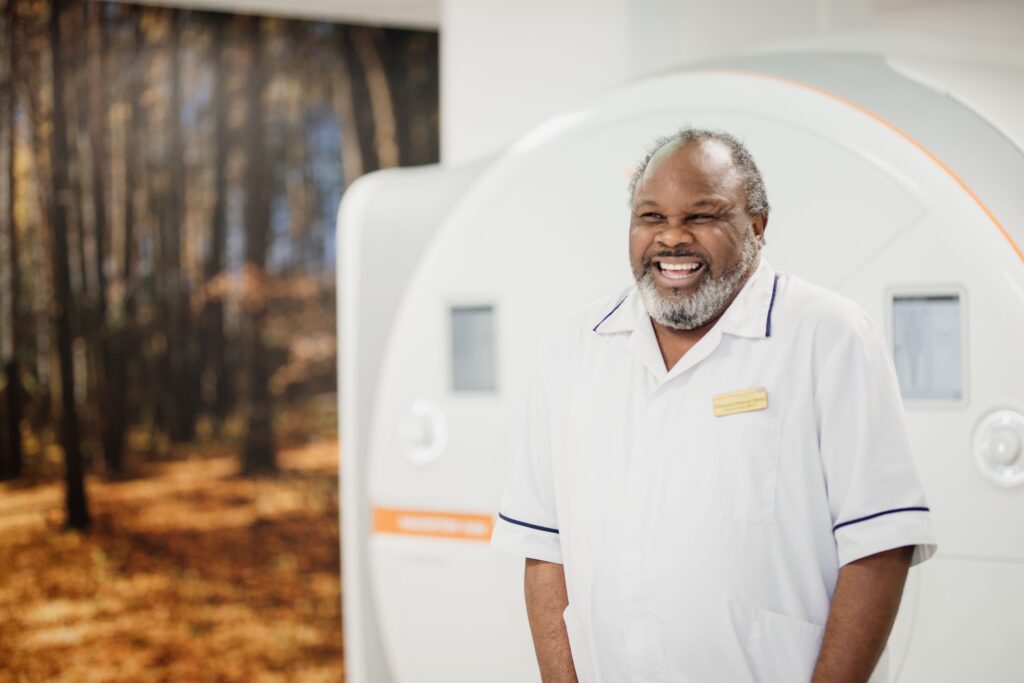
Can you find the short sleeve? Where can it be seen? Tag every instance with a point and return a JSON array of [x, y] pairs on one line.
[[875, 496], [527, 522]]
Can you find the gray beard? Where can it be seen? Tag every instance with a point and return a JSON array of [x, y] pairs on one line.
[[704, 305]]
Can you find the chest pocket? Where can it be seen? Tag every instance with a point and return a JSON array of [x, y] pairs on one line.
[[747, 447]]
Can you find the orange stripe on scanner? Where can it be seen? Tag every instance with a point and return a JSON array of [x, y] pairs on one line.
[[903, 134], [432, 524]]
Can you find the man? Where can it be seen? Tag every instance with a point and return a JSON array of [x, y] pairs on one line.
[[716, 483]]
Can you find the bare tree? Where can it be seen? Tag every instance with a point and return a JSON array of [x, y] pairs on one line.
[[381, 104], [212, 348], [178, 370], [40, 277], [121, 316], [11, 457], [97, 116], [77, 509], [344, 109], [258, 450]]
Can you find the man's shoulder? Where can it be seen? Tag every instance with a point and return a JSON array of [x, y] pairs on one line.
[[587, 317], [590, 315]]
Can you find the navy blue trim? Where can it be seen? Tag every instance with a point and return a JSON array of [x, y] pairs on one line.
[[527, 524], [771, 305], [608, 315], [837, 527]]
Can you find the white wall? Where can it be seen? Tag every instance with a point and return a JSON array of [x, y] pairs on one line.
[[507, 66]]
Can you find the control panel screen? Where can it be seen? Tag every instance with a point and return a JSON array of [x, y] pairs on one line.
[[928, 346], [473, 353]]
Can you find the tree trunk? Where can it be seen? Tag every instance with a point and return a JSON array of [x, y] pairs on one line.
[[11, 460], [258, 449], [385, 127], [42, 273], [121, 346], [78, 217], [97, 114], [212, 350], [344, 109], [77, 509], [178, 393]]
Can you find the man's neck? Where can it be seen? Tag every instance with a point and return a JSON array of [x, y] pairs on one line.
[[674, 343]]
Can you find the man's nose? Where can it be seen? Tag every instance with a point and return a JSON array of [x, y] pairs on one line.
[[675, 233]]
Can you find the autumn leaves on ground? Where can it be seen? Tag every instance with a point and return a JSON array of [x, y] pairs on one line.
[[189, 573]]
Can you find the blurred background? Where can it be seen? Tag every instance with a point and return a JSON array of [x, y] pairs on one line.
[[170, 180], [169, 184]]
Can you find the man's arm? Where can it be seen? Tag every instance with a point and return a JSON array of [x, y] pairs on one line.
[[546, 599], [864, 607]]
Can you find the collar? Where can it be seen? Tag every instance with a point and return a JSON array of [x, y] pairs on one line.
[[749, 314]]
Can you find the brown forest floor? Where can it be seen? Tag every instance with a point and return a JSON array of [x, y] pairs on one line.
[[191, 573]]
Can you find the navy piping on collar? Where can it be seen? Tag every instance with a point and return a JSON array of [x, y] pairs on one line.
[[609, 314], [527, 524], [837, 527], [771, 305]]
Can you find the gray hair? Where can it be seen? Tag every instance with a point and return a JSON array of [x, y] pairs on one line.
[[753, 183]]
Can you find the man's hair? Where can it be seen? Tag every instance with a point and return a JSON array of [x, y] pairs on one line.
[[753, 183]]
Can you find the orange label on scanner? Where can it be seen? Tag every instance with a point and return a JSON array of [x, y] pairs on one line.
[[432, 524]]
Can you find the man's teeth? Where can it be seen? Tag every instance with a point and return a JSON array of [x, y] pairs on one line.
[[679, 266]]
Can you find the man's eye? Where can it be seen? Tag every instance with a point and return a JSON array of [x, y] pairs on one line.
[[651, 216], [702, 217]]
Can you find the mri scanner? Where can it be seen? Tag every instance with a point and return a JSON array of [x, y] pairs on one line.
[[897, 181]]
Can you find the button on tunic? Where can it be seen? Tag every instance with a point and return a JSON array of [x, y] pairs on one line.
[[703, 548]]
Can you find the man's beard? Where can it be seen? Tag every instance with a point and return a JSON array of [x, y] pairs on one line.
[[688, 312]]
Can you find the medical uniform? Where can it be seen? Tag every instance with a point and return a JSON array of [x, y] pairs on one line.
[[702, 547]]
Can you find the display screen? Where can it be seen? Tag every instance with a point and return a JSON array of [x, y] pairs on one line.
[[473, 355], [927, 346]]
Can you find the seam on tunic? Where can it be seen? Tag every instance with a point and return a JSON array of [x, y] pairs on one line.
[[837, 527], [528, 525], [771, 305], [608, 315]]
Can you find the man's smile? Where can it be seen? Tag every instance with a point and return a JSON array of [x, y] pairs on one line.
[[674, 271]]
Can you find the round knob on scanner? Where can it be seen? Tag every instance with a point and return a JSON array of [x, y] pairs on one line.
[[423, 432], [999, 446], [417, 432], [1005, 446]]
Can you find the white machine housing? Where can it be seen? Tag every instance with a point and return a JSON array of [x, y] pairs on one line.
[[895, 181]]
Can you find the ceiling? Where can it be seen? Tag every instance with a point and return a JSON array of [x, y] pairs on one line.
[[397, 13], [426, 14]]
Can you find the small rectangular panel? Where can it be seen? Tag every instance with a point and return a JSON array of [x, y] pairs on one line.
[[743, 401], [470, 527], [473, 353], [928, 346]]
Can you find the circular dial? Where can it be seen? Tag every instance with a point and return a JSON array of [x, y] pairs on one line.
[[999, 447], [423, 432]]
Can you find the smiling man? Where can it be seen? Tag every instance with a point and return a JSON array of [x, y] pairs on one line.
[[715, 482]]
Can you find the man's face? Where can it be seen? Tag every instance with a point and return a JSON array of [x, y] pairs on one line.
[[691, 243]]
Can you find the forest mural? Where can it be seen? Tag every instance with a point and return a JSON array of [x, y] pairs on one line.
[[169, 183]]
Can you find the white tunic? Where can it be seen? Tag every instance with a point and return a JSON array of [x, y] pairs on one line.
[[702, 548]]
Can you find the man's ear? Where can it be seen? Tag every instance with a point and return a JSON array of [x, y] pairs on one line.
[[760, 224]]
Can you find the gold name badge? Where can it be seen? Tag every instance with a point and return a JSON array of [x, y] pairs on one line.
[[743, 401]]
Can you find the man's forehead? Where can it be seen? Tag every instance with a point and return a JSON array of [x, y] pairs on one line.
[[708, 156], [702, 166], [708, 202]]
